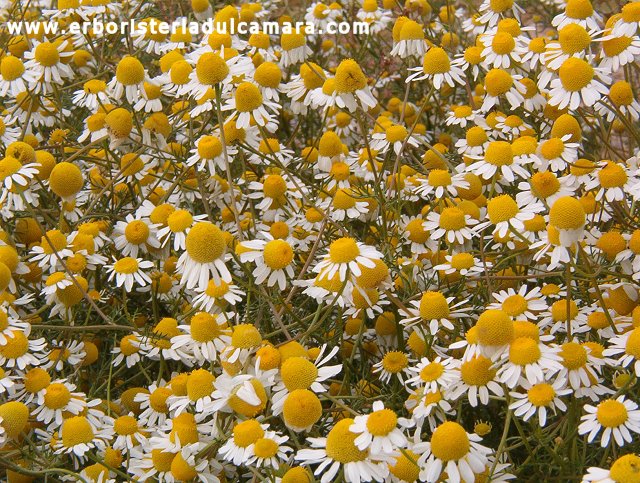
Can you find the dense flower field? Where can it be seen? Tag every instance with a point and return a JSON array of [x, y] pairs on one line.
[[405, 255]]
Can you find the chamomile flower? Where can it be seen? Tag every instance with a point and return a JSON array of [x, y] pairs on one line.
[[338, 451], [618, 417], [203, 339], [15, 77], [578, 83], [273, 259], [454, 451], [217, 295], [128, 270], [129, 79], [378, 431], [345, 257], [622, 468], [78, 436], [134, 235], [203, 257], [539, 399], [56, 399], [477, 379], [393, 363], [451, 224], [438, 68], [47, 62]]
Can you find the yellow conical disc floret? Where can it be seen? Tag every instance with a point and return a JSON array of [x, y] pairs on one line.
[[450, 442], [15, 417], [494, 328], [205, 242], [349, 77], [66, 179]]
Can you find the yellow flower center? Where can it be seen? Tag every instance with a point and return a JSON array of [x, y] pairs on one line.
[[461, 261], [158, 400], [500, 6], [567, 213], [179, 72], [579, 9], [452, 218], [204, 327], [343, 250], [245, 336], [56, 396], [125, 425], [185, 428], [621, 93], [631, 12], [433, 305], [574, 356], [611, 413], [137, 232], [181, 470], [626, 469], [126, 345], [205, 242], [340, 172], [497, 82], [47, 54], [494, 328], [130, 71], [248, 97], [298, 373], [242, 407], [431, 372], [65, 179], [349, 77], [76, 430], [499, 153], [573, 38], [503, 43], [211, 69], [200, 384], [302, 408], [476, 136], [477, 371], [209, 147], [340, 443], [436, 61], [274, 186], [396, 133], [17, 345], [268, 74], [265, 448], [541, 394], [632, 346], [524, 351], [514, 305], [217, 291], [36, 379], [11, 68], [575, 74], [450, 442], [394, 362], [290, 41], [126, 265], [416, 231], [381, 423], [502, 208], [161, 460], [544, 184], [343, 199], [612, 175]]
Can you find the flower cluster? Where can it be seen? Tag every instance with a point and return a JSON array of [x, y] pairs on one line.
[[406, 256]]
